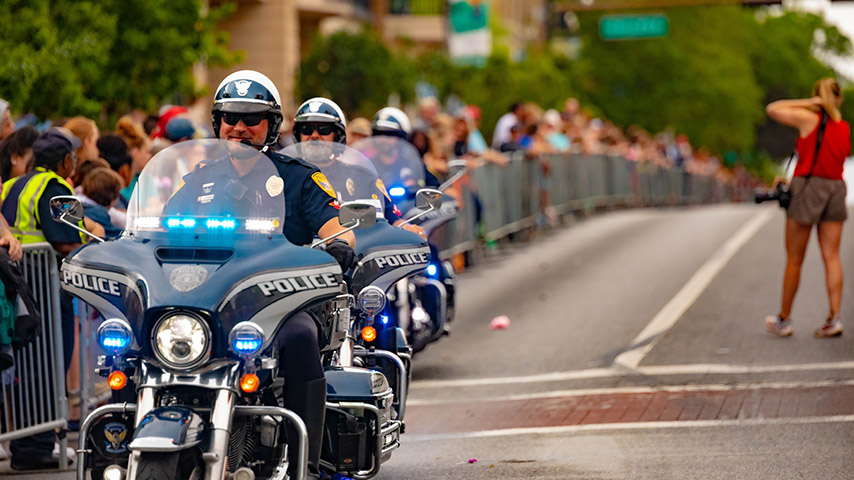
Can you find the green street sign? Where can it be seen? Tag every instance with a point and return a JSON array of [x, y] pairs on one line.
[[630, 27]]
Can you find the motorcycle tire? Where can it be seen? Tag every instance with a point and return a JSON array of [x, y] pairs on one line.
[[168, 466]]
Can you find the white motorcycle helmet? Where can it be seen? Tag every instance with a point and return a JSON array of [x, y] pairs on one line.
[[391, 121], [247, 92]]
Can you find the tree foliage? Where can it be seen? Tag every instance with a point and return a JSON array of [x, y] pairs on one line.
[[696, 80], [102, 57], [357, 71]]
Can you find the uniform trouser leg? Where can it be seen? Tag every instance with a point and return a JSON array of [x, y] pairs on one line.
[[305, 384]]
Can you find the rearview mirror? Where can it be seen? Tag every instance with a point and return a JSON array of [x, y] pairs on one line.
[[457, 166], [68, 210], [68, 206], [357, 214], [428, 199]]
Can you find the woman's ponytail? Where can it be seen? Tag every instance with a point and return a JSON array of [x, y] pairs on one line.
[[831, 97]]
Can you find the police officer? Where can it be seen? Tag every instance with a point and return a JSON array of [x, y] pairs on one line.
[[321, 119], [392, 122], [247, 109]]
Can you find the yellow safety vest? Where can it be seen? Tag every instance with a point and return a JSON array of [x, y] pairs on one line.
[[27, 221]]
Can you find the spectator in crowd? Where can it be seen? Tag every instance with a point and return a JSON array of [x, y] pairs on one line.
[[88, 133], [115, 151], [428, 111], [167, 113], [139, 148], [514, 116], [357, 129], [150, 123], [461, 137], [818, 197], [26, 206], [420, 139], [514, 143], [179, 129], [552, 126], [16, 153], [472, 115], [101, 190], [7, 123]]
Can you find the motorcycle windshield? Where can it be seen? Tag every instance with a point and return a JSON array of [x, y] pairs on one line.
[[397, 162], [211, 190], [349, 173]]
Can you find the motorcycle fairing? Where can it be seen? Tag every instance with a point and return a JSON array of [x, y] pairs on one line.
[[380, 242], [145, 281], [114, 294], [264, 297]]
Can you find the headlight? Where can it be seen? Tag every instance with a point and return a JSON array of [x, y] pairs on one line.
[[181, 340], [246, 338], [115, 336], [372, 300]]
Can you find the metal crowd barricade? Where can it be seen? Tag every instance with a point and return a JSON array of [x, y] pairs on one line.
[[94, 390], [32, 391], [511, 195]]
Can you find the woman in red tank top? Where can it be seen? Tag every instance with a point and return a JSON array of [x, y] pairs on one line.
[[818, 197]]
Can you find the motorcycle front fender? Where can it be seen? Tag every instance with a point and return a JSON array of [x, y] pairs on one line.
[[169, 429]]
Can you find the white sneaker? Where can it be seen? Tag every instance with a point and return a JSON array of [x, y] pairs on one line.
[[69, 452]]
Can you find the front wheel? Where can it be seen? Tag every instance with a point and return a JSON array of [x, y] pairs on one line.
[[169, 466]]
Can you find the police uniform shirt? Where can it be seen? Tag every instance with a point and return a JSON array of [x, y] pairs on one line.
[[356, 183], [54, 232], [309, 202], [215, 189]]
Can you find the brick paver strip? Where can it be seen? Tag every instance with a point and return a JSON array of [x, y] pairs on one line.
[[743, 403]]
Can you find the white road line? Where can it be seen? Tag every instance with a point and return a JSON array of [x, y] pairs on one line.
[[672, 312], [658, 370], [607, 427], [631, 390]]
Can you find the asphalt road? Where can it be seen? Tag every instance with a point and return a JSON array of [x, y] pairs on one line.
[[636, 349], [580, 297]]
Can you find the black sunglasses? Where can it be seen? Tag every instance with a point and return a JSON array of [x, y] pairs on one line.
[[308, 129], [249, 119]]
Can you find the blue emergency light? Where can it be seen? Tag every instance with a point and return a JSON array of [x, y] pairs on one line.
[[397, 191]]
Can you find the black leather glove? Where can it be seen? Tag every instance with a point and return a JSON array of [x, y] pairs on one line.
[[342, 252]]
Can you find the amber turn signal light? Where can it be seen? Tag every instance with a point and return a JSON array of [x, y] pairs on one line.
[[117, 380], [249, 382], [369, 334]]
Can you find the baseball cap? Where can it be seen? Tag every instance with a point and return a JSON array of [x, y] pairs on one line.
[[179, 128], [54, 144]]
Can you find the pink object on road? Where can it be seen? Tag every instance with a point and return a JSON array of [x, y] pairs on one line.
[[500, 322]]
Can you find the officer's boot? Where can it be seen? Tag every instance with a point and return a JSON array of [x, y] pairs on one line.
[[308, 400]]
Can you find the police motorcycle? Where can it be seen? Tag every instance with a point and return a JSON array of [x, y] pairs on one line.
[[385, 254], [421, 305], [192, 295]]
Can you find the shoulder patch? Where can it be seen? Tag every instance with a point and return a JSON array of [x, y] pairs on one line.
[[321, 181], [179, 187], [381, 187]]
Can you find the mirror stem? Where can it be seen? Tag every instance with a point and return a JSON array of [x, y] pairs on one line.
[[336, 235], [81, 230], [451, 181], [415, 217]]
